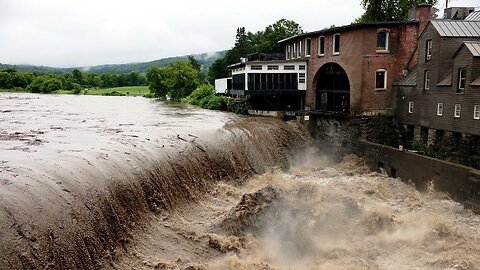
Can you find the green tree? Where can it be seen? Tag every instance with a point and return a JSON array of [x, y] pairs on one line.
[[78, 76], [154, 78], [389, 10], [269, 38], [179, 79]]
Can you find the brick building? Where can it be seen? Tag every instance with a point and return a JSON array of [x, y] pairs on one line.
[[351, 68]]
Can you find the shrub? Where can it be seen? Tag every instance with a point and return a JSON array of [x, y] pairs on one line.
[[114, 93], [215, 103], [202, 92]]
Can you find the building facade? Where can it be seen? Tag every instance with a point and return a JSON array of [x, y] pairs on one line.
[[352, 68], [439, 101]]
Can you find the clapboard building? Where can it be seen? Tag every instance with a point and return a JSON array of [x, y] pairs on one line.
[[440, 98]]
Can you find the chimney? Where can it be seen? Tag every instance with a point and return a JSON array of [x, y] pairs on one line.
[[423, 14]]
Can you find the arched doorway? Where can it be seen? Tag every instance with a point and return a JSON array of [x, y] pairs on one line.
[[333, 89]]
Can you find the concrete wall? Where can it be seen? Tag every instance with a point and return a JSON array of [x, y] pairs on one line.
[[454, 179]]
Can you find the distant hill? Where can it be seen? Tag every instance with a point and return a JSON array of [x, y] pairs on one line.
[[205, 59]]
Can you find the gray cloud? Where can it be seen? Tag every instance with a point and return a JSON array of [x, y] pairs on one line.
[[89, 32]]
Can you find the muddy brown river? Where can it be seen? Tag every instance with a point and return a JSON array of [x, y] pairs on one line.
[[90, 182]]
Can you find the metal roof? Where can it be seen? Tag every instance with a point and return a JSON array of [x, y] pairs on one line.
[[474, 47], [408, 80], [451, 28], [446, 80], [476, 82], [474, 16]]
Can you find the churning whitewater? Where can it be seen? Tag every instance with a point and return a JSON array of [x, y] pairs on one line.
[[317, 215], [130, 183]]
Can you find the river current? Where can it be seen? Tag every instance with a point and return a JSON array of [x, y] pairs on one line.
[[130, 183]]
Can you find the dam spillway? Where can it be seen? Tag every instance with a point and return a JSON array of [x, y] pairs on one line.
[[131, 183]]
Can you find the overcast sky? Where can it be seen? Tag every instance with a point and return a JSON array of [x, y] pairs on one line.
[[70, 33]]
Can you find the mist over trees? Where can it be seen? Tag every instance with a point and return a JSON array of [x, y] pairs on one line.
[[389, 10], [265, 41]]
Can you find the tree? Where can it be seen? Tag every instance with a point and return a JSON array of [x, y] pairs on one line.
[[389, 10], [282, 29], [154, 78], [247, 43], [78, 76], [179, 79]]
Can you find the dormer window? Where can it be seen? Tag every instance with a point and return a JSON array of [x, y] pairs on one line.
[[428, 51], [382, 41]]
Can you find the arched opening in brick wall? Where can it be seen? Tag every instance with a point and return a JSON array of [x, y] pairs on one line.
[[332, 89]]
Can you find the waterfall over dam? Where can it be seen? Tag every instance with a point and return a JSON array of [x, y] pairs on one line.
[[90, 182]]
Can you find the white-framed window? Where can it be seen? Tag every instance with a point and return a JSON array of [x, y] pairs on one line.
[[457, 111], [462, 75], [301, 67], [410, 107], [294, 50], [428, 52], [476, 112], [426, 82], [321, 46], [289, 67], [272, 67], [380, 79], [301, 77], [256, 67], [288, 52], [336, 44], [300, 47], [382, 41], [308, 47], [439, 109]]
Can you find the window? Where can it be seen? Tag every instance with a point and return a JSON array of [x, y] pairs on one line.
[[428, 52], [294, 51], [476, 112], [289, 67], [381, 79], [426, 83], [301, 67], [308, 46], [321, 46], [336, 44], [272, 67], [382, 41], [462, 74], [256, 67], [410, 107], [299, 49], [288, 52], [301, 77], [457, 111], [439, 109]]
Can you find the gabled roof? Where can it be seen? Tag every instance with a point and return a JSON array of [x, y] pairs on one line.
[[472, 46], [474, 16], [446, 80], [408, 80], [475, 82], [455, 28]]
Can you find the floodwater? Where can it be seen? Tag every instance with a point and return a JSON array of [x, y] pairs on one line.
[[91, 182], [317, 215]]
